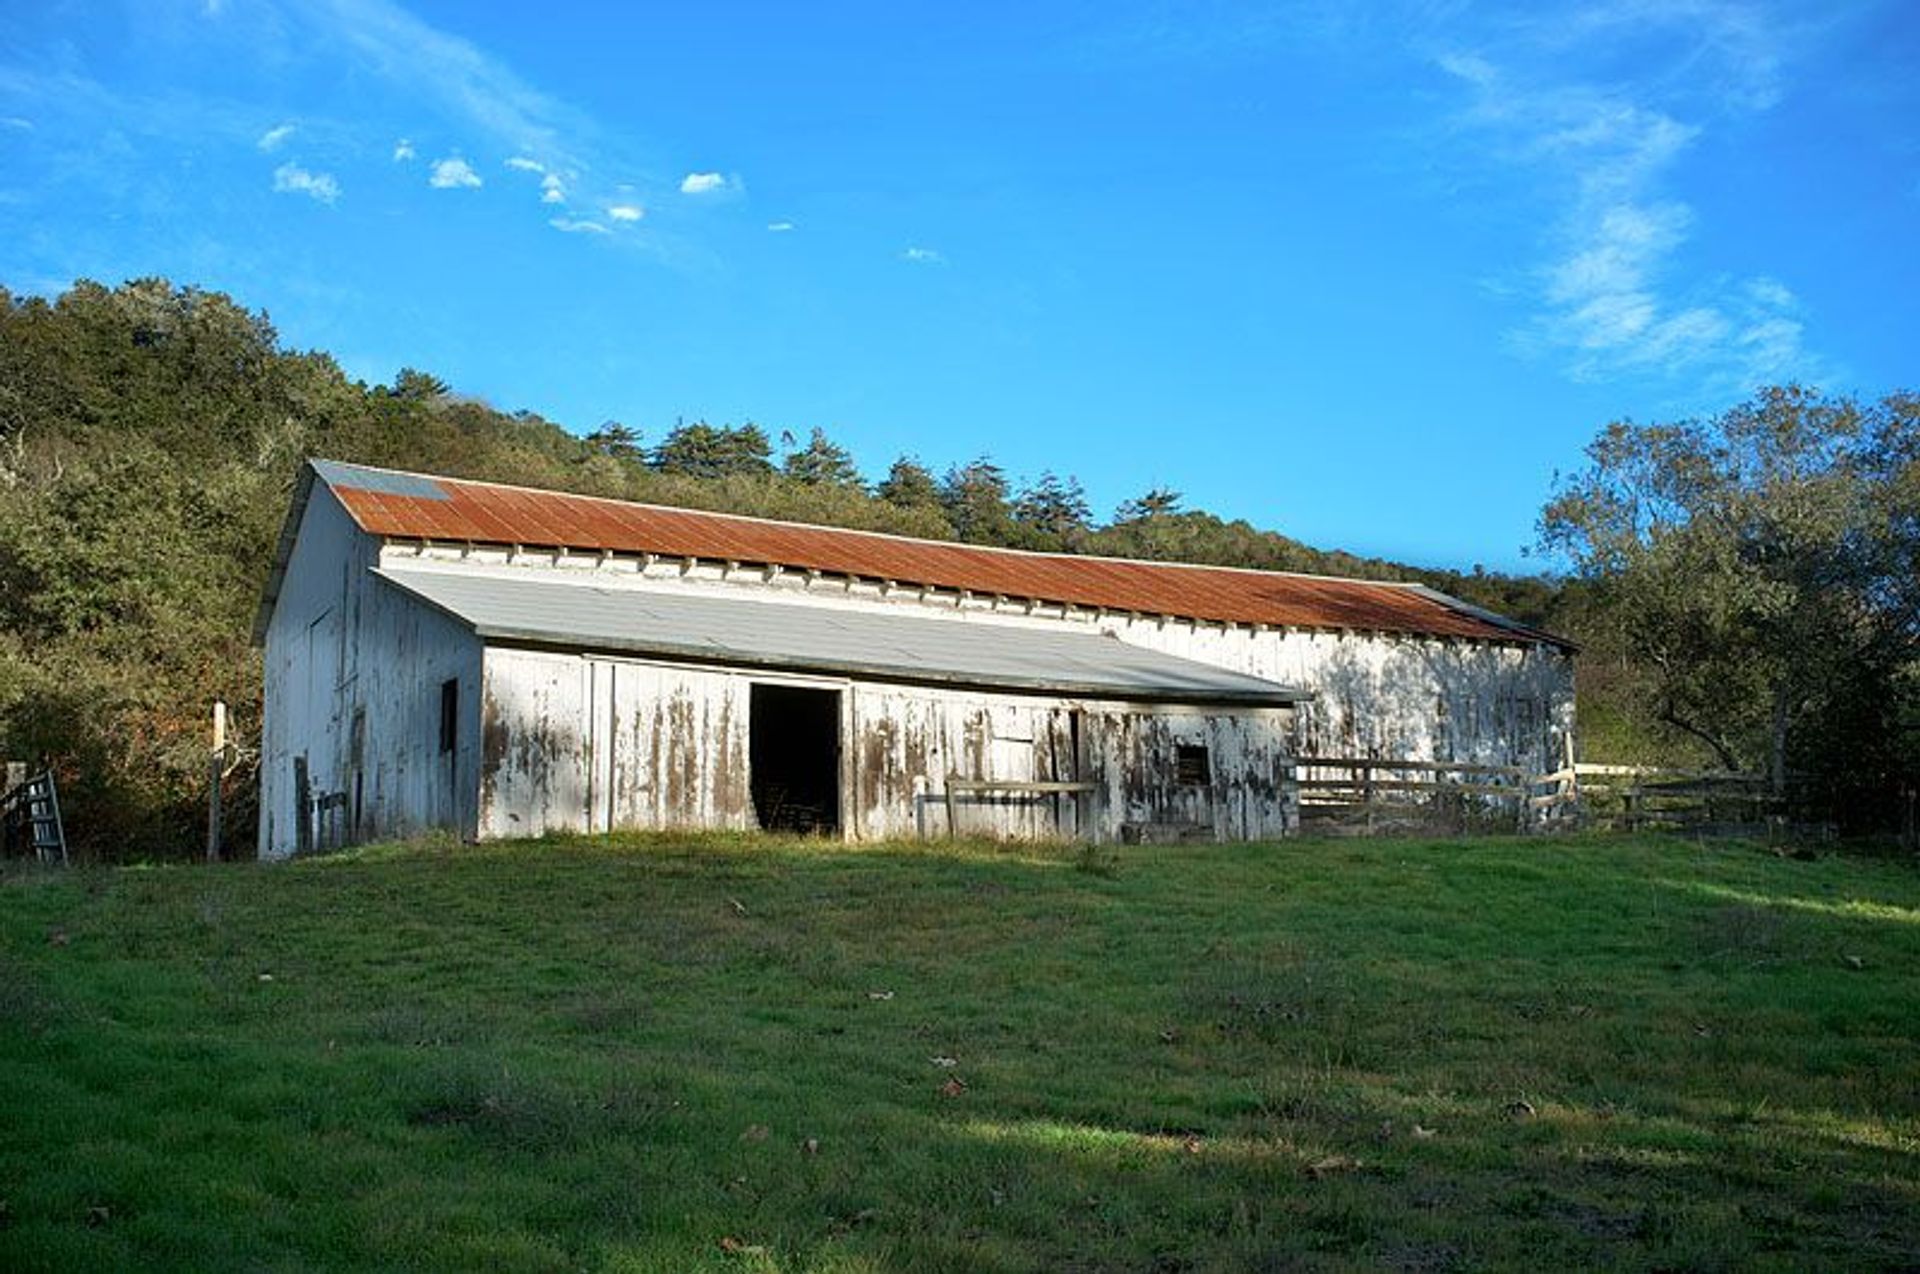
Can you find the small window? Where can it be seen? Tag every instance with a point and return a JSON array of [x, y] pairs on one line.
[[1190, 765], [449, 714]]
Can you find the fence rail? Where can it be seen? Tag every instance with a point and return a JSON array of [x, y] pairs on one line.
[[1371, 790], [1630, 797]]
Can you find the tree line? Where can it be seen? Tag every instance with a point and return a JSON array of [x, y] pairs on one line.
[[150, 435]]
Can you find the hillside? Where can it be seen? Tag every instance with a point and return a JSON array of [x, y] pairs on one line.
[[149, 435], [659, 1054]]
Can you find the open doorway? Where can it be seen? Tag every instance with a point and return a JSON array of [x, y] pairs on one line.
[[794, 750]]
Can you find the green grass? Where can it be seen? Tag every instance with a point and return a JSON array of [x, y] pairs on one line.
[[659, 1054]]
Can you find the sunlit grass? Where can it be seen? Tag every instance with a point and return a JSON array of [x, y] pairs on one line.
[[734, 1053], [1845, 909]]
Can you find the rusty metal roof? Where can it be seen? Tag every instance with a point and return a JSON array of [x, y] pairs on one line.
[[572, 609], [415, 506]]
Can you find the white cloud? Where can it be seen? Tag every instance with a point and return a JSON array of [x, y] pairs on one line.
[[522, 164], [923, 256], [626, 212], [1611, 295], [16, 121], [571, 226], [779, 227], [272, 139], [453, 173], [492, 109], [403, 151], [702, 183], [291, 179]]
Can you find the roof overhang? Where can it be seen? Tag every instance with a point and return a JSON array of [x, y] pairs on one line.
[[974, 654], [283, 552]]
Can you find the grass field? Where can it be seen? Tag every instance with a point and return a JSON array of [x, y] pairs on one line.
[[739, 1054]]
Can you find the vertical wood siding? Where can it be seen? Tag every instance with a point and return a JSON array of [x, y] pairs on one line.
[[586, 744], [343, 645], [553, 741], [1376, 694]]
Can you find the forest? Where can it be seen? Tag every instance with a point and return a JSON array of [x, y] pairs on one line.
[[1746, 588]]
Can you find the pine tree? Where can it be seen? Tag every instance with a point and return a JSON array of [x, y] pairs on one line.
[[822, 463]]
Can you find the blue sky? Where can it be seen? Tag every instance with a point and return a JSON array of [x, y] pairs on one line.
[[1364, 274]]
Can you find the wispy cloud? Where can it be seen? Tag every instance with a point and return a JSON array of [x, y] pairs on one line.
[[702, 183], [923, 256], [626, 212], [491, 110], [1611, 295], [453, 173], [469, 83], [570, 225], [291, 179], [403, 151], [274, 138], [780, 227]]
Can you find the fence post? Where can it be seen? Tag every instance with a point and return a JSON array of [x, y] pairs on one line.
[[303, 807], [216, 771]]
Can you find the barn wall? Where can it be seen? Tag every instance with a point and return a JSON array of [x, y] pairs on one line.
[[1412, 697], [581, 743], [344, 648], [1407, 697], [585, 743], [909, 739]]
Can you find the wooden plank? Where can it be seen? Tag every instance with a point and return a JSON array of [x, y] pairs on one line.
[[216, 771], [1654, 771], [303, 807], [1408, 785], [1425, 767]]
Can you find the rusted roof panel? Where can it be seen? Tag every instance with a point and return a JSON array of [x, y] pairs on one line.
[[413, 506]]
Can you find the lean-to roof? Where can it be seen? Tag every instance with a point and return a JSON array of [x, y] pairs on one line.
[[569, 610]]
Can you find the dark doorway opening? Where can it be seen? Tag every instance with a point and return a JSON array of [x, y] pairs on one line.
[[794, 750]]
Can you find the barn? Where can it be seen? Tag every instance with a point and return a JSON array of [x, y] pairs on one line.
[[504, 662]]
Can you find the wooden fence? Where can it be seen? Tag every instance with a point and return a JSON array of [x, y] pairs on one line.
[[1630, 797], [1371, 794]]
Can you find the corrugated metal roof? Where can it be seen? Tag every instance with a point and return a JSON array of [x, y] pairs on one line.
[[576, 612], [412, 506]]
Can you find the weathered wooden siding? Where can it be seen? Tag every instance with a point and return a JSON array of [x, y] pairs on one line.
[[1413, 698], [354, 670], [1376, 694], [566, 741], [580, 743], [909, 740]]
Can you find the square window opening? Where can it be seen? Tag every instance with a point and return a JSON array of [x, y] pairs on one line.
[[1191, 765]]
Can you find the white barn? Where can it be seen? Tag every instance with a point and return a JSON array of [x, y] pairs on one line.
[[504, 662]]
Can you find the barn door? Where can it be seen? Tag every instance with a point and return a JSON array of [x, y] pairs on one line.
[[1059, 759]]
